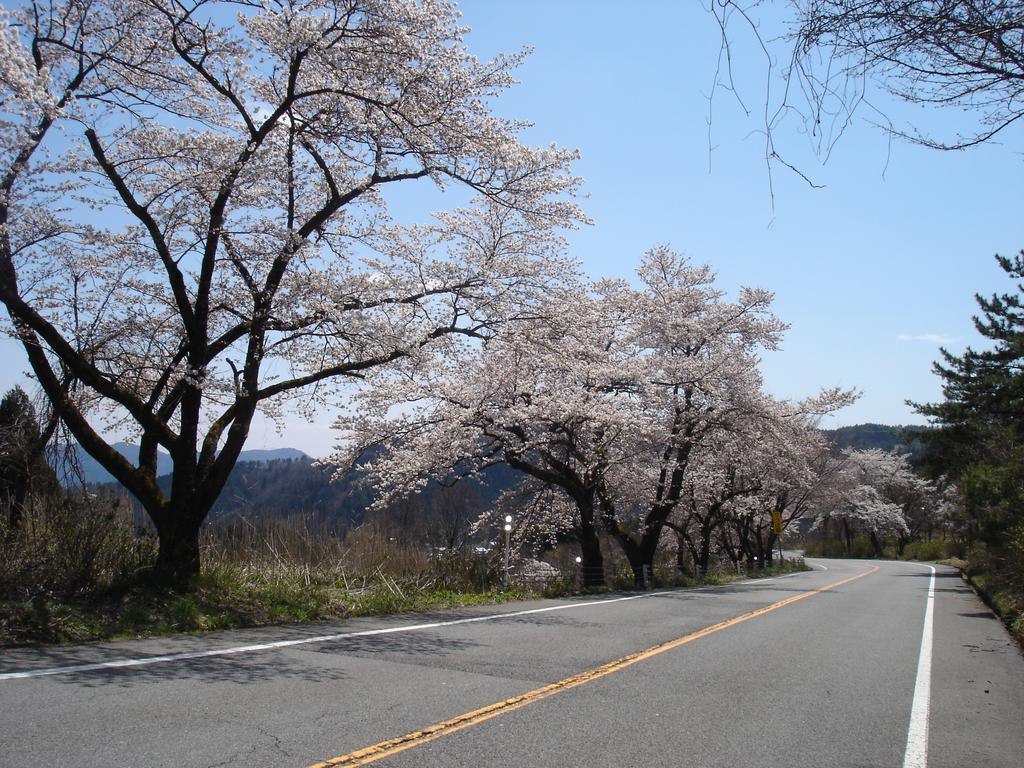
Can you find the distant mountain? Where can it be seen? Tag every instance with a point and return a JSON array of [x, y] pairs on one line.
[[285, 487], [282, 488], [294, 485], [895, 438], [93, 472], [271, 454]]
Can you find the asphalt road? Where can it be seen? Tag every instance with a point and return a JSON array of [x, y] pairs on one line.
[[798, 671]]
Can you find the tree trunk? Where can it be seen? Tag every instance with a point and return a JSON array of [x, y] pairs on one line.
[[639, 554], [641, 566], [591, 562], [694, 552], [704, 557], [591, 559], [772, 541], [681, 549], [582, 493], [732, 551], [875, 543], [177, 560], [762, 551]]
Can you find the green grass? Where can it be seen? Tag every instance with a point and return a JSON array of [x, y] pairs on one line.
[[232, 598], [760, 573], [217, 601]]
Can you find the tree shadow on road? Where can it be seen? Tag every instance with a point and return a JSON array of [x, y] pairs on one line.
[[294, 662], [413, 643], [242, 669], [945, 581]]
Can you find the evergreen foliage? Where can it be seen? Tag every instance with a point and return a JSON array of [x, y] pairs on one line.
[[980, 422], [23, 468]]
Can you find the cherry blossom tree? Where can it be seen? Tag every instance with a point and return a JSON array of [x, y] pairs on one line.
[[768, 462], [531, 397], [797, 466], [193, 219], [863, 508], [721, 477], [874, 492], [542, 516], [607, 394]]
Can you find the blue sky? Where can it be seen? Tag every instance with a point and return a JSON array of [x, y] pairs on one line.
[[873, 271]]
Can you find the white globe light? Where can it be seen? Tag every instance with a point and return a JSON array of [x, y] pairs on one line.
[[508, 518], [507, 528]]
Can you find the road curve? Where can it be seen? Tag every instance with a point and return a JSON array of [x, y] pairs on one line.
[[819, 668]]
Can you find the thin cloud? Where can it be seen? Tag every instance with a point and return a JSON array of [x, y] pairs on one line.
[[931, 338]]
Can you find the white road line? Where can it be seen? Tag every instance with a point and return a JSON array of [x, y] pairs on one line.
[[916, 754], [147, 660], [231, 651]]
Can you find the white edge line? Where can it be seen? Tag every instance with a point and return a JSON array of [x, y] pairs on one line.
[[916, 753], [188, 655], [147, 660]]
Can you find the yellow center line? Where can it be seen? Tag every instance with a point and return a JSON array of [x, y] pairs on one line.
[[384, 749]]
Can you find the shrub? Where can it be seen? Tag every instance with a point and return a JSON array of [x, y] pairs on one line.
[[937, 549], [860, 547], [72, 545]]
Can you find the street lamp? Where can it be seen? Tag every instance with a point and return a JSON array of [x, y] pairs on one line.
[[508, 542]]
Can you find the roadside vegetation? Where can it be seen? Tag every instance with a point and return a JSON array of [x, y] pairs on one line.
[[80, 572], [77, 571], [76, 575]]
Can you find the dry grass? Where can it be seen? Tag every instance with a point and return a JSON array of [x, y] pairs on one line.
[[75, 574]]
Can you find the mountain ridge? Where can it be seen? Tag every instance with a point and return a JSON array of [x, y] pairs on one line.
[[94, 473]]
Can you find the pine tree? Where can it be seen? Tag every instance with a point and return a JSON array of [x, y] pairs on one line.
[[23, 468], [980, 424]]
